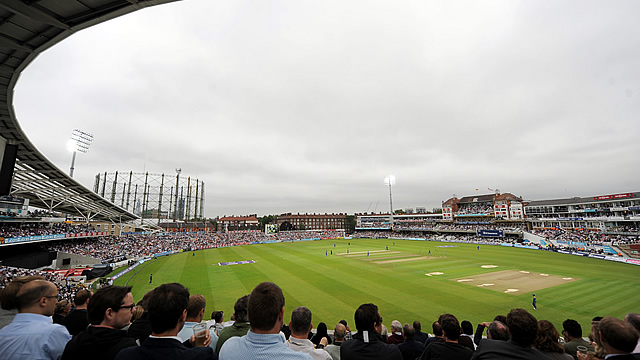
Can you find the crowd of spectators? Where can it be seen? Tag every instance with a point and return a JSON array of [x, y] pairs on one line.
[[260, 329], [475, 209], [147, 245], [66, 288], [10, 230]]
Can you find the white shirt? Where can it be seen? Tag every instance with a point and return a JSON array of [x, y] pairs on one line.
[[306, 346]]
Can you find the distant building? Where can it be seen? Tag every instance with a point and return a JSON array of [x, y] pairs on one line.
[[182, 227], [238, 223], [483, 208], [298, 221], [593, 212]]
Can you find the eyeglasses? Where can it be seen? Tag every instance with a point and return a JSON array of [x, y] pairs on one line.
[[130, 307], [51, 296]]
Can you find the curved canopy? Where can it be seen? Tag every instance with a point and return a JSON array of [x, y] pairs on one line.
[[27, 28]]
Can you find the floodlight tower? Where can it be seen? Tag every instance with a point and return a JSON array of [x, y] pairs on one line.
[[175, 206], [390, 180], [80, 141]]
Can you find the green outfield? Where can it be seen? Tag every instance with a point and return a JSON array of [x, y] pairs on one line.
[[406, 281]]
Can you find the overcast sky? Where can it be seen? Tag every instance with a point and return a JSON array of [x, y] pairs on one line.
[[305, 106]]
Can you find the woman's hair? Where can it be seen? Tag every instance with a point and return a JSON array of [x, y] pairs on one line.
[[547, 338], [321, 332], [595, 338], [137, 313]]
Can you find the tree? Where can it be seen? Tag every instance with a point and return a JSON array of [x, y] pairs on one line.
[[267, 219], [350, 224]]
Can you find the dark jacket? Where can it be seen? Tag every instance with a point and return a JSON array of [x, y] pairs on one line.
[[101, 343], [446, 351], [420, 337], [166, 349], [376, 348], [411, 349], [140, 329], [506, 350], [76, 321]]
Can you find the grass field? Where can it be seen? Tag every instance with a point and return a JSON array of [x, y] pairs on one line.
[[334, 286]]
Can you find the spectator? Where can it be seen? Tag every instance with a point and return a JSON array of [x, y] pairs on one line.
[[77, 320], [618, 338], [548, 343], [467, 332], [634, 320], [572, 332], [31, 335], [62, 310], [108, 312], [523, 328], [340, 335], [418, 334], [8, 298], [300, 326], [437, 334], [240, 327], [263, 341], [450, 348], [396, 333], [141, 328], [368, 343], [195, 313], [349, 334], [496, 330], [411, 349], [321, 332], [167, 307], [218, 317]]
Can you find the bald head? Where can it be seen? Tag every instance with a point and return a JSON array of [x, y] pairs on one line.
[[38, 297], [340, 332]]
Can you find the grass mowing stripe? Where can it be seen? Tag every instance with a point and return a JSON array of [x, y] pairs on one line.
[[333, 286]]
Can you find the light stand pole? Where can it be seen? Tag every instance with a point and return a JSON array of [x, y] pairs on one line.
[[390, 180], [80, 141]]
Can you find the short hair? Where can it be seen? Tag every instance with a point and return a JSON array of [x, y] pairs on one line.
[[81, 297], [217, 316], [501, 318], [197, 302], [450, 327], [108, 297], [408, 332], [396, 325], [9, 295], [523, 326], [467, 327], [166, 304], [30, 294], [240, 309], [634, 320], [265, 303], [618, 334], [343, 322], [340, 331], [572, 327], [366, 317], [300, 320], [498, 331], [417, 326], [436, 328]]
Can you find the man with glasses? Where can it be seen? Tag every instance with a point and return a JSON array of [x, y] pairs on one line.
[[109, 310], [31, 335]]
